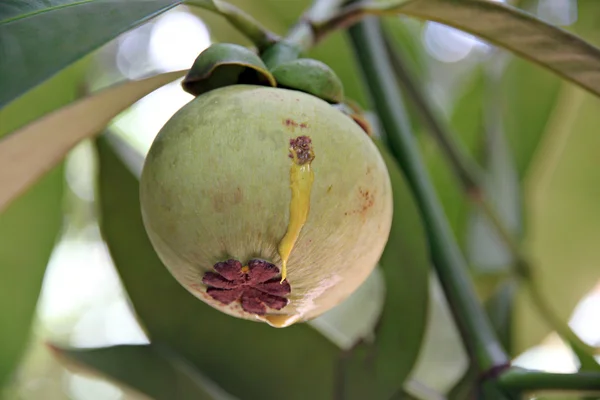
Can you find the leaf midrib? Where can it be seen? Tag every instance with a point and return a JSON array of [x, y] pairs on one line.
[[45, 10]]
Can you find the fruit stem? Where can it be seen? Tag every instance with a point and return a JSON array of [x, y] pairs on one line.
[[260, 36], [301, 36], [476, 330]]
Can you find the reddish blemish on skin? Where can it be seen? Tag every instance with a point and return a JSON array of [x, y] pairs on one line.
[[367, 200], [290, 123], [256, 285]]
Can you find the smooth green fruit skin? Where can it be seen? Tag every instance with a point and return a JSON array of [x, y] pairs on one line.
[[216, 185]]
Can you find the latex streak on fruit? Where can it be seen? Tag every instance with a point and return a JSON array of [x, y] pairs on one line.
[[301, 181]]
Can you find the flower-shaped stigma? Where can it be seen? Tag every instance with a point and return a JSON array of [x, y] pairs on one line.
[[256, 285]]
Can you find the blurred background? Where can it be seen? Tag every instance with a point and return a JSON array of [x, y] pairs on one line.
[[551, 184]]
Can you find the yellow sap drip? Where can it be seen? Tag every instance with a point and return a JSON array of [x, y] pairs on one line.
[[280, 321], [301, 180]]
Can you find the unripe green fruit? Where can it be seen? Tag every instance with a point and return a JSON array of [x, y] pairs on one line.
[[218, 184]]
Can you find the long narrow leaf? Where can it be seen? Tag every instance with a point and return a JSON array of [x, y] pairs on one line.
[[28, 153], [149, 369], [39, 38]]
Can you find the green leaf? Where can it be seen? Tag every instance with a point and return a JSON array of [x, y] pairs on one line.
[[563, 222], [378, 370], [567, 125], [40, 38], [532, 96], [31, 151], [505, 26], [151, 370], [30, 226], [246, 358], [529, 98]]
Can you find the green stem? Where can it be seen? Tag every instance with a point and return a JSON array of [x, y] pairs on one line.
[[520, 380], [477, 332], [301, 36], [252, 29]]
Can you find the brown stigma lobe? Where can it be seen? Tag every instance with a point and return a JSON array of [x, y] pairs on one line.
[[256, 285], [301, 150]]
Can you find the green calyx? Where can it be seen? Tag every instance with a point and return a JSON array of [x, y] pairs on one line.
[[225, 64], [310, 76]]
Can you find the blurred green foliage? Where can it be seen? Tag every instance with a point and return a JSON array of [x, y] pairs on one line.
[[29, 227]]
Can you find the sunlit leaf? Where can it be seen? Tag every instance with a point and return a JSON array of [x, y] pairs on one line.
[[151, 370], [39, 38], [30, 226], [31, 151], [291, 363], [562, 202], [379, 369], [500, 24]]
